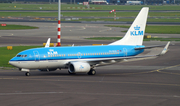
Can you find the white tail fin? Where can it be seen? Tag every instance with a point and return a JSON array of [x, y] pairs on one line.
[[48, 42], [135, 34]]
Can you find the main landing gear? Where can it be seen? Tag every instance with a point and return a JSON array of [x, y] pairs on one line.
[[27, 74], [92, 72]]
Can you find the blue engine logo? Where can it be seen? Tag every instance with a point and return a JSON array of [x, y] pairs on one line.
[[81, 67], [137, 31]]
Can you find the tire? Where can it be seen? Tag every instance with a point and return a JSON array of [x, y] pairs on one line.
[[92, 72], [27, 74]]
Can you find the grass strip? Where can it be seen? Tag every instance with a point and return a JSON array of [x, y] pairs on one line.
[[145, 39], [6, 55], [16, 6], [155, 29], [16, 27], [126, 20], [88, 14]]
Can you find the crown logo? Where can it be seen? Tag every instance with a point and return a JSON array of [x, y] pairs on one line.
[[136, 28], [51, 50]]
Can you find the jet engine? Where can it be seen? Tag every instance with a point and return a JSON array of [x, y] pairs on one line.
[[77, 67], [50, 69]]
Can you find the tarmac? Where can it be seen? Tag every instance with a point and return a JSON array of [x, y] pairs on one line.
[[145, 82]]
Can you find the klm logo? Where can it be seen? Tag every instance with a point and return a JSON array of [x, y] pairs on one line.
[[81, 67], [137, 31], [52, 52]]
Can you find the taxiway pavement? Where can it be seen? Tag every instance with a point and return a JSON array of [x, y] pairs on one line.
[[72, 33]]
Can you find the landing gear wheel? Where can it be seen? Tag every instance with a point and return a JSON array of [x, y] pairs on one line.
[[27, 74], [92, 72]]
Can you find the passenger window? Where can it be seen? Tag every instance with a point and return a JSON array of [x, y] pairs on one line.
[[21, 56]]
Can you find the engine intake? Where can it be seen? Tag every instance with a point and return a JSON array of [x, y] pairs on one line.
[[77, 67]]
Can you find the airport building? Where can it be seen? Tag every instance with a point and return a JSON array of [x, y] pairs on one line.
[[119, 2], [135, 2]]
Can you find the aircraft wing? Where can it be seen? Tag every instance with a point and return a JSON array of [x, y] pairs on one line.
[[105, 61], [148, 47]]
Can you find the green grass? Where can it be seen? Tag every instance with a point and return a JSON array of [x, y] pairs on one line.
[[145, 39], [126, 20], [175, 16], [163, 17], [16, 27], [25, 14], [9, 6], [156, 29], [6, 55], [87, 14], [104, 38]]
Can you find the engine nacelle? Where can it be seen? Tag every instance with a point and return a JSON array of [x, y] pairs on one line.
[[77, 67], [50, 69]]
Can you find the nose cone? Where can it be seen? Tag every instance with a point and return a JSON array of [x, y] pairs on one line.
[[13, 62]]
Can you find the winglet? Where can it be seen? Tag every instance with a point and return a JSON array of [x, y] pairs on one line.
[[48, 42], [165, 49]]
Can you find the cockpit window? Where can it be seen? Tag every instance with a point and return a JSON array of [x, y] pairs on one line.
[[21, 56]]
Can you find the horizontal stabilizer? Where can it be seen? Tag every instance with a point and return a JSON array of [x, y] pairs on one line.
[[148, 47]]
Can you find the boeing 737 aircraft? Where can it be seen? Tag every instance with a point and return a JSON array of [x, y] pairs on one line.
[[85, 58]]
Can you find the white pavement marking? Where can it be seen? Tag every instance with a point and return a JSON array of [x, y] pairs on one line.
[[85, 93], [81, 28], [108, 29]]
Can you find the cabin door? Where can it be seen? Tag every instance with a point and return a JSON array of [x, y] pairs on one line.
[[125, 52], [36, 55]]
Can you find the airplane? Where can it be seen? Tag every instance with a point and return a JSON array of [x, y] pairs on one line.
[[84, 59]]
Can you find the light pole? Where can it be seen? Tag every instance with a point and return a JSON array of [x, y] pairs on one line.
[[59, 24]]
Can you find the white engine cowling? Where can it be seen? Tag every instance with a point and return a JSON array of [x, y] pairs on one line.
[[77, 67]]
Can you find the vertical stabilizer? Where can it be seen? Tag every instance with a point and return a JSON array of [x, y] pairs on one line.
[[135, 34]]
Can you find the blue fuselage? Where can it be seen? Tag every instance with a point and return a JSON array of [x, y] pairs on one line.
[[77, 52], [59, 57]]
